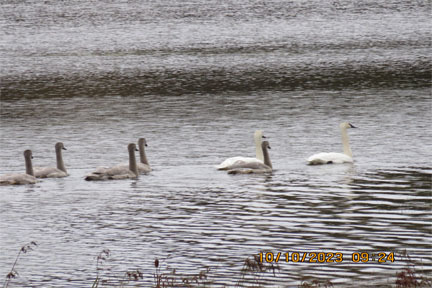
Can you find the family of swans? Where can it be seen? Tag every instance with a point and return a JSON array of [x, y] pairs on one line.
[[234, 165]]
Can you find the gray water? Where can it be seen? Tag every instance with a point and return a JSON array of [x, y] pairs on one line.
[[196, 79]]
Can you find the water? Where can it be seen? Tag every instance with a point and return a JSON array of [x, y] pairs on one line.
[[197, 79]]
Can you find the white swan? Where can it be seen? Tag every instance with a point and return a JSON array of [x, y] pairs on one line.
[[21, 179], [265, 167], [119, 171], [246, 162], [335, 158], [53, 172]]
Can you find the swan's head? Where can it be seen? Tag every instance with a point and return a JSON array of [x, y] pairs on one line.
[[265, 145], [346, 125], [132, 147], [142, 142], [259, 135], [59, 146], [28, 154]]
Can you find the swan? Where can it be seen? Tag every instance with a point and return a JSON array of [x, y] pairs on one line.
[[335, 158], [246, 162], [260, 167], [20, 179], [119, 171], [143, 166], [53, 172]]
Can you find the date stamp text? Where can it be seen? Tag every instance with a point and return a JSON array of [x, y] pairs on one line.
[[326, 257]]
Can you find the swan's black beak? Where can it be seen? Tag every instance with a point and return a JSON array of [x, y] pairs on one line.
[[264, 136], [145, 145], [269, 147], [136, 149], [352, 126], [64, 148]]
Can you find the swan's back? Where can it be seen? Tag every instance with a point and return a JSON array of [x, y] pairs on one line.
[[48, 172], [329, 158], [115, 170], [17, 179], [240, 162], [112, 173], [123, 168]]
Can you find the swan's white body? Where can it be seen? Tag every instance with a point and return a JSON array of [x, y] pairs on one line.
[[240, 162], [117, 172], [257, 167], [21, 179], [246, 162], [53, 172], [329, 158], [332, 157]]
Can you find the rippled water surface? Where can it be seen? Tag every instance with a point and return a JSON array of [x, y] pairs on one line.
[[196, 79]]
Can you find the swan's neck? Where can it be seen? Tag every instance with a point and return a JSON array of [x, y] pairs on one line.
[[345, 143], [143, 156], [132, 162], [258, 149], [267, 157], [59, 158], [29, 166]]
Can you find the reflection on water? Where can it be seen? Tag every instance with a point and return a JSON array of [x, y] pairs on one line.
[[179, 81], [196, 81], [101, 49]]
